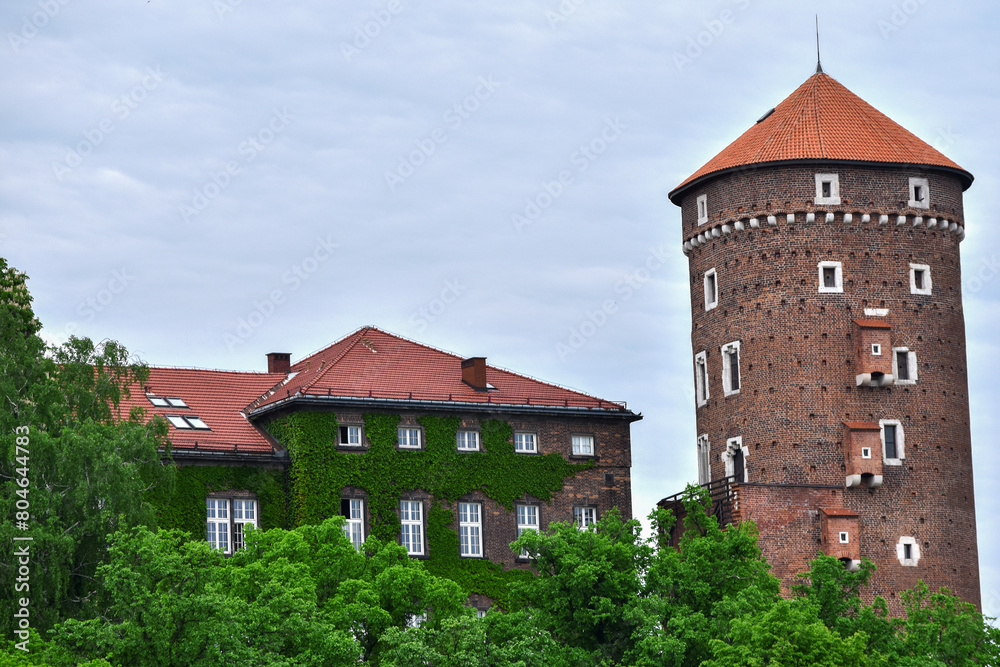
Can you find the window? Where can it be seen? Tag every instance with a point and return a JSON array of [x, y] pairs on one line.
[[827, 189], [176, 402], [416, 620], [735, 459], [704, 461], [218, 523], [353, 510], [866, 452], [844, 537], [187, 421], [584, 517], [711, 289], [470, 530], [481, 613], [919, 193], [904, 365], [893, 452], [158, 401], [701, 378], [408, 437], [702, 209], [831, 277], [412, 522], [920, 279], [244, 514], [525, 443], [468, 440], [876, 350], [908, 551], [731, 368], [350, 436], [527, 519], [583, 445]]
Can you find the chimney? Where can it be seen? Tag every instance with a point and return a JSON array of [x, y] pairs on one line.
[[474, 373], [279, 362]]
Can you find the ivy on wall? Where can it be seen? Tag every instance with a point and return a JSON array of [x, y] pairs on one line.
[[319, 471], [186, 509]]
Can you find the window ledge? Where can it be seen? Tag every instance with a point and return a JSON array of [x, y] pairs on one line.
[[892, 462]]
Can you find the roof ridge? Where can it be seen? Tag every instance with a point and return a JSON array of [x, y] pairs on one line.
[[357, 335]]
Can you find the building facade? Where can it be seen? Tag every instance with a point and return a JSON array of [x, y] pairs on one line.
[[829, 341], [451, 457]]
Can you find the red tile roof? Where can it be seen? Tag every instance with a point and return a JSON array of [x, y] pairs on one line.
[[873, 324], [863, 426], [823, 120], [371, 363], [217, 397]]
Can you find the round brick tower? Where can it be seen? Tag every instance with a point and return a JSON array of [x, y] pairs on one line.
[[829, 341]]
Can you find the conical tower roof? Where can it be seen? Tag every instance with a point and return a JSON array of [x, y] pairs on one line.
[[823, 120]]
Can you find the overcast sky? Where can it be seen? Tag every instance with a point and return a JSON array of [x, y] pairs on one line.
[[210, 181]]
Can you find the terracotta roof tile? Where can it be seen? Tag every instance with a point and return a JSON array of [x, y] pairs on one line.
[[823, 120], [863, 426], [371, 363], [217, 397], [873, 324]]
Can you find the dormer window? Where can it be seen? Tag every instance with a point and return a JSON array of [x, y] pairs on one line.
[[919, 193], [702, 209], [828, 189]]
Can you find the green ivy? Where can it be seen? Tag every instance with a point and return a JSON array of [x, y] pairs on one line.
[[319, 471], [186, 509]]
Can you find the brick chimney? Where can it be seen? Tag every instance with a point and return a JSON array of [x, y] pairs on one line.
[[474, 373], [279, 362]]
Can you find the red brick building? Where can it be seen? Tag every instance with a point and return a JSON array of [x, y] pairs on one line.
[[829, 341], [241, 463]]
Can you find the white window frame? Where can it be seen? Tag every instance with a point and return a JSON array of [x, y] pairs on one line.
[[701, 378], [244, 514], [470, 529], [467, 441], [353, 430], [845, 537], [876, 349], [923, 202], [911, 365], [704, 459], [834, 181], [914, 558], [732, 444], [525, 515], [354, 525], [584, 517], [408, 437], [838, 277], [701, 204], [900, 450], [218, 531], [411, 524], [927, 288], [711, 290], [583, 444], [727, 351], [525, 442]]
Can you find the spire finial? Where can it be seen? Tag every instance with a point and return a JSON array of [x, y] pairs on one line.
[[819, 66]]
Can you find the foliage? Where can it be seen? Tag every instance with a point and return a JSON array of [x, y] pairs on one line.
[[319, 471]]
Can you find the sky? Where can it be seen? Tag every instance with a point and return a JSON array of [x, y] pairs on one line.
[[207, 182]]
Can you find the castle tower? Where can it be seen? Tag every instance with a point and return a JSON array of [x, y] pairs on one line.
[[829, 341]]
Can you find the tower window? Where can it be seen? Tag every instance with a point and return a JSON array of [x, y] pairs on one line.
[[704, 461], [702, 209], [904, 365], [831, 277], [908, 551], [827, 189], [735, 459], [893, 452], [919, 193], [711, 289], [701, 378], [731, 368], [920, 279]]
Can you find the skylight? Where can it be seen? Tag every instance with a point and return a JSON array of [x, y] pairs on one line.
[[188, 422], [178, 421], [176, 402], [158, 402], [196, 422]]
